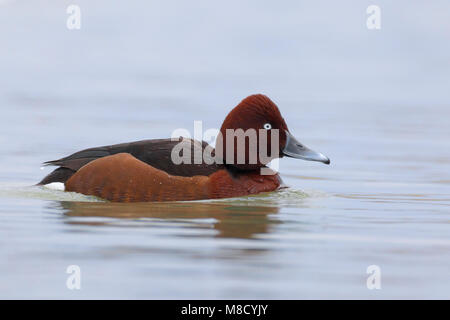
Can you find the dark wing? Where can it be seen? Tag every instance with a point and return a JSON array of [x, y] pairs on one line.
[[156, 153]]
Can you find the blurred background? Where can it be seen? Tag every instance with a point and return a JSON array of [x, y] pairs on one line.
[[377, 102]]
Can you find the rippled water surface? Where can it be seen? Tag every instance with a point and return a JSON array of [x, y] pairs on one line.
[[376, 102]]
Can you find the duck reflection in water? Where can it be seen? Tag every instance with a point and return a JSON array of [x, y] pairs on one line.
[[230, 220]]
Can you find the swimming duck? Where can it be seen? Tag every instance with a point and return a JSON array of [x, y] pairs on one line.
[[145, 170]]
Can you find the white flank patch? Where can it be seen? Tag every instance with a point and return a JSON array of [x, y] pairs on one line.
[[55, 186]]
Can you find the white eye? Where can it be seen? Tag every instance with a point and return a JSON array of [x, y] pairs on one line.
[[267, 126]]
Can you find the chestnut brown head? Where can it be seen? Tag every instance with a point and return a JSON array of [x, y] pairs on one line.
[[254, 133]]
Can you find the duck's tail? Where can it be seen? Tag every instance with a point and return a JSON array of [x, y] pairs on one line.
[[60, 174]]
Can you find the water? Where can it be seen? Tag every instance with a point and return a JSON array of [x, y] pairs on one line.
[[376, 102]]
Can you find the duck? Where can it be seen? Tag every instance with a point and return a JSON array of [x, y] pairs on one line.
[[151, 170]]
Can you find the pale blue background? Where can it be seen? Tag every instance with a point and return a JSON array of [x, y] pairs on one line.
[[376, 102]]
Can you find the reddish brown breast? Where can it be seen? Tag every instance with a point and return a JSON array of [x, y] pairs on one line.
[[123, 178]]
